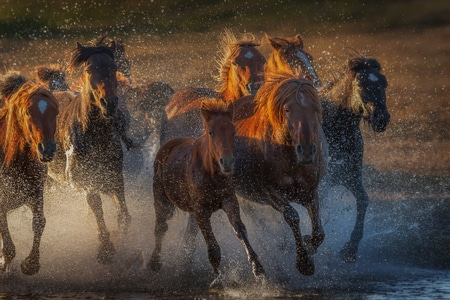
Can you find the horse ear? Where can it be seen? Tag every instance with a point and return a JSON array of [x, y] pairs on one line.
[[79, 46], [274, 43], [112, 46], [299, 41]]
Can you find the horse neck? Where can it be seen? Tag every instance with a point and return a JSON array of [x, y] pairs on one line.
[[203, 153]]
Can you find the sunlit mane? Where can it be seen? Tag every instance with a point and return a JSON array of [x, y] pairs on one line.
[[267, 122], [16, 128], [214, 106], [228, 47]]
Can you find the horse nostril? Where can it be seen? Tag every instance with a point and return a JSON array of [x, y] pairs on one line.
[[314, 149], [41, 147], [103, 102], [221, 161], [299, 149]]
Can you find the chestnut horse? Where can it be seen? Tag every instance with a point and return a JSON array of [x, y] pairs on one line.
[[280, 156], [241, 73], [359, 93], [194, 174], [91, 153], [27, 128]]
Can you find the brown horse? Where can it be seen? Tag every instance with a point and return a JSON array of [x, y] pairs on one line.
[[280, 156], [241, 73], [193, 174], [91, 153], [27, 128]]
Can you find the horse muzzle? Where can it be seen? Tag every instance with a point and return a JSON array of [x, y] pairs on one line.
[[109, 106], [379, 122], [46, 150], [306, 153], [227, 164]]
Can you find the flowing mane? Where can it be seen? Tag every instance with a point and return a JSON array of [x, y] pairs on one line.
[[267, 122], [16, 127], [229, 44], [339, 88]]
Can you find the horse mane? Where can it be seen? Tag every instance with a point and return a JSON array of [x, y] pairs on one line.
[[229, 44], [215, 106], [10, 83], [339, 87], [267, 122], [15, 123]]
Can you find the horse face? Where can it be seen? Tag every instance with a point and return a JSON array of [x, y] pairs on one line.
[[221, 132], [369, 99], [302, 120], [101, 71], [43, 112], [248, 70]]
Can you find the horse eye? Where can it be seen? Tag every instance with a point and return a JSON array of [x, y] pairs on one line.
[[210, 133]]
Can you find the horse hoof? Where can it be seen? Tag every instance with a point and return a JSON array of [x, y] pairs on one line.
[[258, 270], [30, 266], [348, 254], [305, 265], [154, 264], [106, 253]]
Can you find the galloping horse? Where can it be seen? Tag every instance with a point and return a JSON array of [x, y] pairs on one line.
[[91, 153], [193, 174], [241, 73], [358, 94], [27, 128]]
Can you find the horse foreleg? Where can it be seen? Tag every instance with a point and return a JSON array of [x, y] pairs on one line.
[[123, 216], [304, 263], [318, 234], [106, 249], [189, 240], [348, 253], [214, 256], [231, 208], [31, 265], [8, 248]]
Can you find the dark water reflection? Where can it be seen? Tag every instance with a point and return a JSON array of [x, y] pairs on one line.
[[405, 253]]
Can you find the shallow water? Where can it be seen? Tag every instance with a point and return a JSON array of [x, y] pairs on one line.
[[405, 252]]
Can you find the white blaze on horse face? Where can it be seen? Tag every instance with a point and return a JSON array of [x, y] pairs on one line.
[[373, 77], [249, 54], [307, 63], [42, 105]]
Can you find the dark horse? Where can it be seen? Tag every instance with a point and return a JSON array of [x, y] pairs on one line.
[[358, 94], [241, 73], [193, 174], [91, 154], [27, 128], [280, 156]]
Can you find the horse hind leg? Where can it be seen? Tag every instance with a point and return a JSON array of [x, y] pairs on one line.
[[31, 265], [8, 248], [164, 210], [232, 210], [189, 239], [106, 249]]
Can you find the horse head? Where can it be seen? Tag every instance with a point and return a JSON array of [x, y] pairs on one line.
[[241, 67], [288, 55], [294, 110], [99, 79], [369, 92], [42, 113], [30, 121], [219, 129]]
